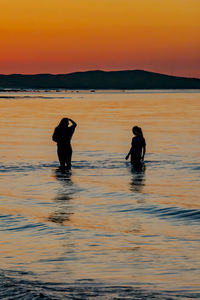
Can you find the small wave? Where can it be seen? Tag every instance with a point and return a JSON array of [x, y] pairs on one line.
[[190, 166], [16, 285], [174, 164], [19, 223], [114, 163], [82, 164], [99, 164], [176, 213], [7, 97], [34, 97], [20, 167]]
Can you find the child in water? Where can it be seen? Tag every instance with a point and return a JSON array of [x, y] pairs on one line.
[[138, 148]]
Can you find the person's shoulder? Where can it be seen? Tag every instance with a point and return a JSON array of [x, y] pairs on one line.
[[143, 140], [140, 139], [72, 128], [56, 129], [133, 139]]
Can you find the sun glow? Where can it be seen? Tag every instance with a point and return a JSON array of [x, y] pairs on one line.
[[64, 36]]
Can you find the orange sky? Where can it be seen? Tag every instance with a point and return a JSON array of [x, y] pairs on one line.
[[62, 36]]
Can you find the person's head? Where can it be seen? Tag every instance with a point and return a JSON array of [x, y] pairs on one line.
[[64, 122], [137, 131]]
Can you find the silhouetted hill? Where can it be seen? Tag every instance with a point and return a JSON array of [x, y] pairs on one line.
[[135, 79]]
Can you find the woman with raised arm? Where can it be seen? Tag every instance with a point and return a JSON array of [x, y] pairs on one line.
[[62, 136], [138, 147]]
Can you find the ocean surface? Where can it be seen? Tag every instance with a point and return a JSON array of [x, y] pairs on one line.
[[103, 230]]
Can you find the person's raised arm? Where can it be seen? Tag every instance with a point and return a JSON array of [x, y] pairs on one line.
[[73, 123]]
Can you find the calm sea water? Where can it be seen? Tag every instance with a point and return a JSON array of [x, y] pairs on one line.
[[102, 231]]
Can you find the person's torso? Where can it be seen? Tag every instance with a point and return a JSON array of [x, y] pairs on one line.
[[64, 135], [137, 143]]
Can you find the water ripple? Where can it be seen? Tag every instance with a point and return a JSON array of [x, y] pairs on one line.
[[177, 213], [15, 285]]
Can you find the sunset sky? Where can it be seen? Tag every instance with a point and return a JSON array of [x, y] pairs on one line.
[[62, 36]]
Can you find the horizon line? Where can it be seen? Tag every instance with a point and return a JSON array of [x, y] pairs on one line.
[[99, 70]]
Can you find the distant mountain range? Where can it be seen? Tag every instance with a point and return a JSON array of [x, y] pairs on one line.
[[132, 79]]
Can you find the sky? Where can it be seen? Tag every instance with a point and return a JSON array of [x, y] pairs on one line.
[[63, 36]]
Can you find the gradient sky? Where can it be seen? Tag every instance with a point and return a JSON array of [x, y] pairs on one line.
[[62, 36]]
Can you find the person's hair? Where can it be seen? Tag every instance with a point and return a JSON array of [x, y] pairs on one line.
[[137, 130], [63, 122]]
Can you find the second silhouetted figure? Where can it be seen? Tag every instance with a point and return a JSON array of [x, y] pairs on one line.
[[138, 147], [62, 136]]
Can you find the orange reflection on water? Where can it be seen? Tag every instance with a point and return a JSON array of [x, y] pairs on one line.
[[103, 220]]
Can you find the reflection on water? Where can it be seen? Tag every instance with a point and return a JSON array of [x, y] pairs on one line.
[[103, 221], [63, 197], [137, 182], [63, 176]]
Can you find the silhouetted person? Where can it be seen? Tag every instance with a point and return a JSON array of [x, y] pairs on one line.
[[138, 147], [62, 136]]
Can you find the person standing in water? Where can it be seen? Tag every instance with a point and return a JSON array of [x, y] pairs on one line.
[[62, 136], [138, 147]]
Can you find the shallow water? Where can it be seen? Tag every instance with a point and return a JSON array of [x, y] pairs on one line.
[[102, 231]]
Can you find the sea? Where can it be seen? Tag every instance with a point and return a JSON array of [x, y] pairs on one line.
[[102, 230]]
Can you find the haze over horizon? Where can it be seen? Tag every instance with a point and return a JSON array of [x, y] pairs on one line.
[[61, 37]]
